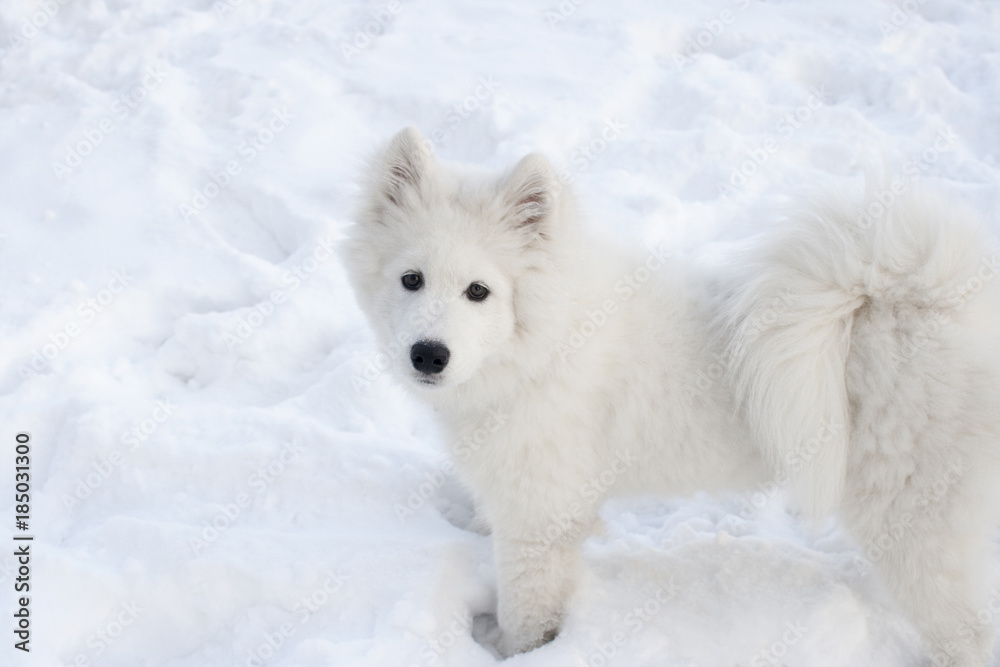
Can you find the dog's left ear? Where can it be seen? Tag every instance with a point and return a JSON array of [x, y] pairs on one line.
[[530, 194]]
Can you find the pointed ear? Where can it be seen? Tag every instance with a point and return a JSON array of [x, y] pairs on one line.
[[404, 167], [530, 192]]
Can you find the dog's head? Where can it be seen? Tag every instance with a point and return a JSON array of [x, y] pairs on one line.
[[436, 256]]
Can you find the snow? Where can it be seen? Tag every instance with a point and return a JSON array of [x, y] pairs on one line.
[[216, 482]]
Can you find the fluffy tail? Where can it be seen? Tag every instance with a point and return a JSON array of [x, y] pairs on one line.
[[786, 325]]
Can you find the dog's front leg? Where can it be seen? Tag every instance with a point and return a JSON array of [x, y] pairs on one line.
[[535, 578]]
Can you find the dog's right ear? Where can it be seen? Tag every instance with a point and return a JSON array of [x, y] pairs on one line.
[[404, 168]]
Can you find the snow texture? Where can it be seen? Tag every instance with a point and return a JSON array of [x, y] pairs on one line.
[[222, 475]]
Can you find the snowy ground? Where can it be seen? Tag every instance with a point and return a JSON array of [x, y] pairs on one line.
[[217, 465]]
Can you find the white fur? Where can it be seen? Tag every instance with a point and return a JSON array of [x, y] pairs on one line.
[[858, 366]]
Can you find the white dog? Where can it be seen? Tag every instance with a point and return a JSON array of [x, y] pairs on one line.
[[862, 350]]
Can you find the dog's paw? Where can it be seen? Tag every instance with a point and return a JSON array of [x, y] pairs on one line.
[[486, 632], [507, 645]]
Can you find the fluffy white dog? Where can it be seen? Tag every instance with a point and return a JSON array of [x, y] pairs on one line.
[[860, 343]]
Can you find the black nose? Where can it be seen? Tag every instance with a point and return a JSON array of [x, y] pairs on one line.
[[429, 356]]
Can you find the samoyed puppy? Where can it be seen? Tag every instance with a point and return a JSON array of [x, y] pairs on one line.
[[860, 342]]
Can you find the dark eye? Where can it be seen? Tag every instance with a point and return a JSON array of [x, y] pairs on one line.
[[412, 281], [477, 292]]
